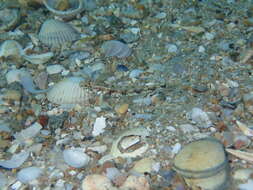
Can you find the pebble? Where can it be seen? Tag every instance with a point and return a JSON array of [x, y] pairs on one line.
[[54, 69], [246, 186], [99, 126], [243, 174], [16, 160], [97, 182], [200, 117], [171, 48], [144, 165], [75, 158], [121, 109], [176, 148], [136, 183], [135, 73], [16, 185]]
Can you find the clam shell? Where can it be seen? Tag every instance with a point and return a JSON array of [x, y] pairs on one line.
[[69, 91], [76, 6], [55, 32], [114, 48], [11, 48], [8, 18], [38, 58]]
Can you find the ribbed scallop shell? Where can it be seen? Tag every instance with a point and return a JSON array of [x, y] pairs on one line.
[[55, 32], [69, 91], [116, 48]]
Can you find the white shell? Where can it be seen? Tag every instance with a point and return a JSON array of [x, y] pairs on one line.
[[116, 48], [122, 147], [16, 160], [69, 91], [75, 158], [26, 175], [38, 58], [55, 33], [11, 48]]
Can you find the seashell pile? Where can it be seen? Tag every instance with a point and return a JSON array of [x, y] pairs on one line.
[[64, 8], [114, 48], [69, 91], [11, 48], [55, 33]]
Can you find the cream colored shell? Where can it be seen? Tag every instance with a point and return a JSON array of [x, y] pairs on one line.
[[69, 91], [55, 33]]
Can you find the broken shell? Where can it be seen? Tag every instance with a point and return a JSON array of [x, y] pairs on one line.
[[11, 48], [76, 6], [8, 18], [24, 78], [245, 129], [55, 33], [69, 91], [38, 58], [247, 156], [116, 48], [203, 163], [130, 144]]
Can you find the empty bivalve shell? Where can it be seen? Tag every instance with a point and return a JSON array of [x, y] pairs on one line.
[[203, 164]]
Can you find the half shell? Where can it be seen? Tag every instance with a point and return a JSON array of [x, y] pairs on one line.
[[11, 48], [74, 7], [55, 33], [8, 18], [114, 48], [69, 91]]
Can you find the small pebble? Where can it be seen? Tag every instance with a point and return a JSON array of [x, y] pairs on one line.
[[29, 174]]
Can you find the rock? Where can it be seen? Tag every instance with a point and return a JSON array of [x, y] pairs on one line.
[[200, 117], [143, 165], [75, 158], [136, 183], [97, 182]]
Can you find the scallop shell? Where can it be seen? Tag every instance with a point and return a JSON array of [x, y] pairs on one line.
[[69, 91], [116, 48], [11, 48], [8, 18], [76, 6], [55, 32]]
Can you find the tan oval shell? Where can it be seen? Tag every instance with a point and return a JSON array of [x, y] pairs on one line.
[[11, 48], [55, 33], [69, 91], [200, 157]]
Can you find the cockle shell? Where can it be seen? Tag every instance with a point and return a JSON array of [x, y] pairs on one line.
[[114, 48], [69, 91], [76, 6], [11, 48], [55, 33]]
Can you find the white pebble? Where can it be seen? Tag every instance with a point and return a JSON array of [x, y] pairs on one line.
[[201, 49], [29, 174], [16, 185], [54, 69], [176, 148], [171, 48], [75, 158]]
